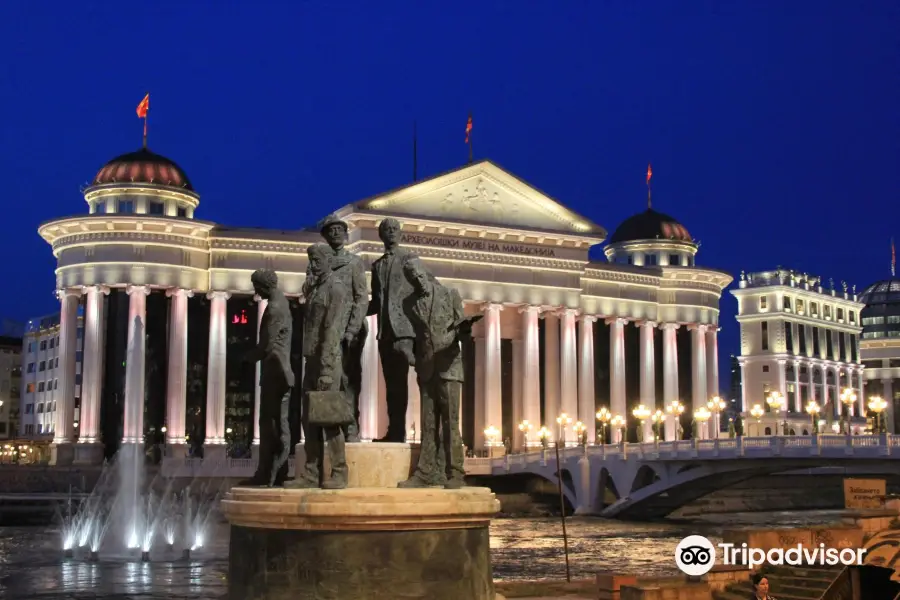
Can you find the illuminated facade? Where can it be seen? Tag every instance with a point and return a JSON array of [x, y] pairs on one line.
[[800, 340], [169, 309], [880, 344], [10, 385]]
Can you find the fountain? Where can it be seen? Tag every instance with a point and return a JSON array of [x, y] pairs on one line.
[[130, 515]]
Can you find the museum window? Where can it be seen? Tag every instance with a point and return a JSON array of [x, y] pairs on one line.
[[126, 206], [840, 314], [841, 339], [816, 351], [827, 312], [182, 211], [765, 335], [789, 337], [813, 309], [674, 259], [801, 333], [99, 207], [852, 315], [829, 345], [650, 260], [43, 344], [763, 302], [787, 304], [157, 208]]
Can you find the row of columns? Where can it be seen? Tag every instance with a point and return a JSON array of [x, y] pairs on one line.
[[569, 371]]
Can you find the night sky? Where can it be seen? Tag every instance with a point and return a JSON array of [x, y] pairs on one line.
[[772, 127]]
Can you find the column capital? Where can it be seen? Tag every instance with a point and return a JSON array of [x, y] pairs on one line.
[[566, 311], [616, 321], [179, 292], [713, 328], [528, 308], [585, 318], [672, 326], [491, 307], [697, 327], [218, 294], [102, 289], [137, 289], [646, 323], [70, 291]]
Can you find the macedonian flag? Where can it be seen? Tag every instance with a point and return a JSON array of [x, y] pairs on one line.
[[143, 107]]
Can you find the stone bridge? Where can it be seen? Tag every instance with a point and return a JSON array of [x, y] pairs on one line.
[[653, 479]]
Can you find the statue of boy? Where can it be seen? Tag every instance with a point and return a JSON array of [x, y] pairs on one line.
[[276, 381], [328, 308], [436, 314]]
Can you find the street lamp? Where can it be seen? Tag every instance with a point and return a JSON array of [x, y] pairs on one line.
[[562, 422], [813, 409], [757, 412], [641, 413], [717, 405], [544, 436], [701, 416], [618, 423], [876, 405], [659, 419], [776, 403], [491, 434], [848, 399], [676, 409], [604, 416], [580, 429], [525, 427]]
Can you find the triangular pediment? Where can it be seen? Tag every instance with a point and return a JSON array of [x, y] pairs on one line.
[[482, 193]]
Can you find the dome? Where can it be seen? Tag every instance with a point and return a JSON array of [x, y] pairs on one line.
[[881, 316], [650, 225], [143, 166]]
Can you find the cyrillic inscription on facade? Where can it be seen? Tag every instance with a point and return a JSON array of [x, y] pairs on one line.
[[476, 245]]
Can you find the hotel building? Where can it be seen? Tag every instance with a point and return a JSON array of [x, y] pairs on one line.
[[880, 344], [10, 384], [169, 310], [800, 340]]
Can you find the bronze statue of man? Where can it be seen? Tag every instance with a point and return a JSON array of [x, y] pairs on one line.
[[351, 270], [328, 309], [276, 381], [436, 314], [390, 290]]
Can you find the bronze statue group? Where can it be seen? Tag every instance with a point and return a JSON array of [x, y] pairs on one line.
[[420, 325]]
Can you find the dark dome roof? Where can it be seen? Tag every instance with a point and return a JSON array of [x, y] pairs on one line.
[[881, 292], [143, 166], [650, 225]]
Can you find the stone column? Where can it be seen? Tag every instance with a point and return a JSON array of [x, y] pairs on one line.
[[617, 371], [712, 361], [62, 452], [92, 369], [698, 365], [670, 375], [568, 375], [586, 396], [825, 394], [531, 376], [133, 429], [798, 403], [744, 407], [368, 394], [176, 381], [214, 446], [782, 377], [552, 406], [861, 392], [887, 392], [518, 398], [261, 305], [648, 373], [493, 400], [479, 409]]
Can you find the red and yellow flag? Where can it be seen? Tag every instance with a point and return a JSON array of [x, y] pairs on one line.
[[468, 128], [143, 107], [649, 173]]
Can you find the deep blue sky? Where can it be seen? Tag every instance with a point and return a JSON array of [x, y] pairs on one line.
[[772, 127]]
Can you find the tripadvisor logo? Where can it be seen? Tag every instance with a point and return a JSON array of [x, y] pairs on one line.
[[695, 555]]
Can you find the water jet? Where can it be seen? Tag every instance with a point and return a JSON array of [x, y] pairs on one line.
[[145, 556], [94, 556]]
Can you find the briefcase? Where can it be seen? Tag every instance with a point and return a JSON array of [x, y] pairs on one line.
[[328, 409]]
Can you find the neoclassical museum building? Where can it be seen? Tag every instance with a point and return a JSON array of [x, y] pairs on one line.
[[169, 311]]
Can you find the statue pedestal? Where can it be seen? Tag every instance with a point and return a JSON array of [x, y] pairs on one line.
[[375, 543], [372, 464]]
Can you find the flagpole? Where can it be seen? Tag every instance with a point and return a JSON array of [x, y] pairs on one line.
[[146, 114], [893, 259], [415, 154]]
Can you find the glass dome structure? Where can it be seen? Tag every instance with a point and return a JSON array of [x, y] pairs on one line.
[[881, 316]]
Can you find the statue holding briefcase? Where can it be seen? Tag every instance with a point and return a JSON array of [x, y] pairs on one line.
[[326, 408]]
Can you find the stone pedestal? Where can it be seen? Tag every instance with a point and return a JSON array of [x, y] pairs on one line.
[[214, 452], [62, 454], [373, 464], [379, 543], [88, 454]]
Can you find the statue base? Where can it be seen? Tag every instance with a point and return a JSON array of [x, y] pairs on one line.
[[372, 464], [375, 543]]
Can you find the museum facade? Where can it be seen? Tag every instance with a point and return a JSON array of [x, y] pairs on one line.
[[169, 311]]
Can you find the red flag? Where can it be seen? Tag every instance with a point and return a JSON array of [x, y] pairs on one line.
[[649, 173], [468, 128], [143, 107]]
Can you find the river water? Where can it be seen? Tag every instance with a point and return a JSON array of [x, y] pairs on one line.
[[32, 567]]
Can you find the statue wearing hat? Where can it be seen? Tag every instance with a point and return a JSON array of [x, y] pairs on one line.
[[349, 268]]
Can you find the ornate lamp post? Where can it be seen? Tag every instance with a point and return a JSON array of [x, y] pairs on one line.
[[491, 434], [617, 423], [562, 422], [701, 416], [848, 399], [641, 413], [776, 404], [580, 429], [757, 412], [659, 419], [717, 405], [813, 409], [603, 416], [544, 435], [525, 427], [676, 409], [876, 405]]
